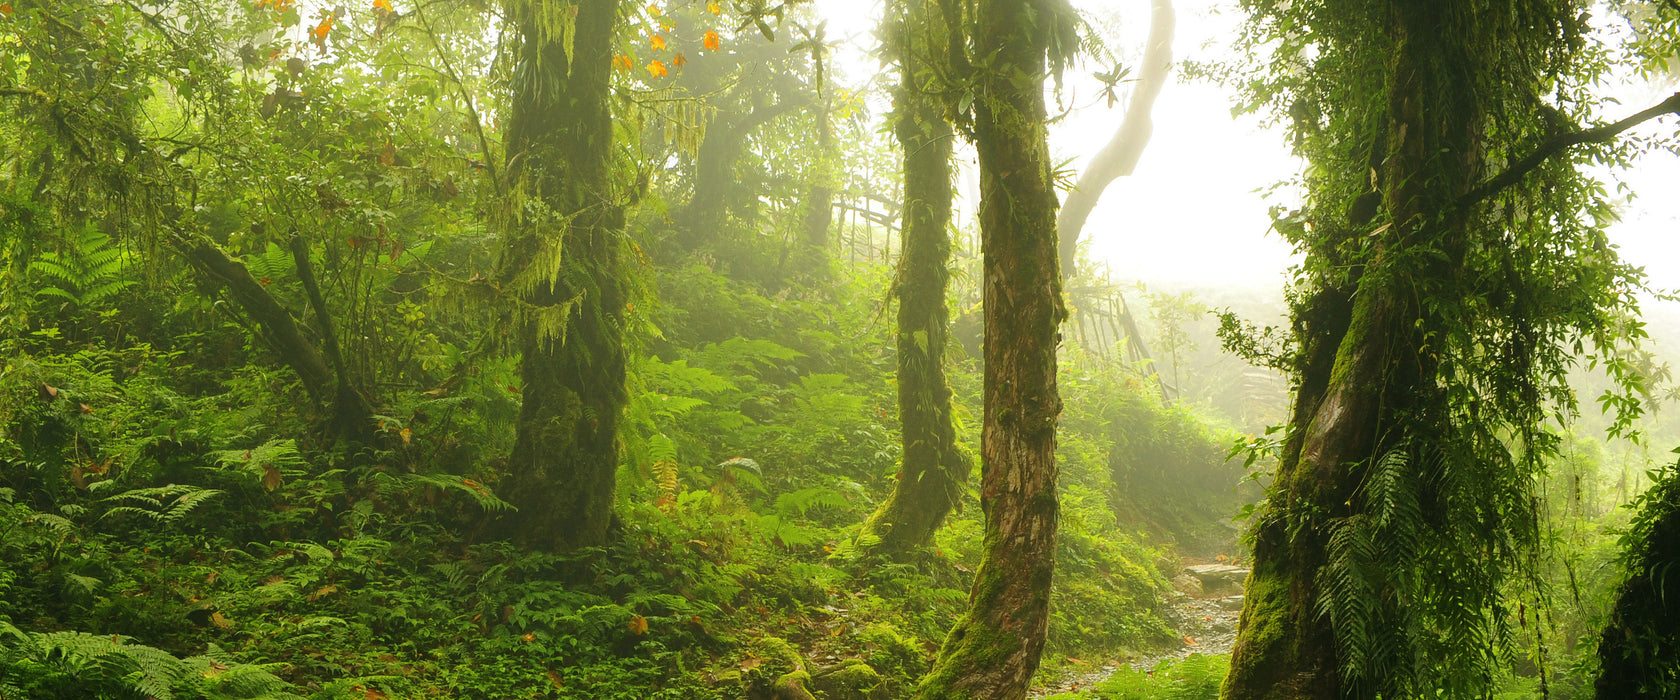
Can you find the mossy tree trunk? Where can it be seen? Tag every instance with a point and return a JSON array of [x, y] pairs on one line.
[[565, 263], [933, 471], [993, 651], [1364, 364]]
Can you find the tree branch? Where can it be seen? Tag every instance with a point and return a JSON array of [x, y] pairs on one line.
[[1556, 145]]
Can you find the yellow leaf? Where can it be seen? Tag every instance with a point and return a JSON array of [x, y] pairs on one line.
[[406, 435], [657, 42], [638, 625], [714, 7], [657, 69]]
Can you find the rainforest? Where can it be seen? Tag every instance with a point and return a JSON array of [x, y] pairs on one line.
[[839, 349]]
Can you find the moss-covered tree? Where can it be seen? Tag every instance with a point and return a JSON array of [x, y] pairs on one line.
[[933, 470], [1434, 327], [565, 264], [993, 650], [1639, 651]]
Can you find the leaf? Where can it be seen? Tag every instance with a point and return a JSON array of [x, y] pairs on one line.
[[638, 625], [656, 42], [711, 41], [271, 477], [657, 69]]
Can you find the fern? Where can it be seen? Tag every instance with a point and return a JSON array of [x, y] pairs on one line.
[[97, 663], [449, 482], [162, 504], [88, 273]]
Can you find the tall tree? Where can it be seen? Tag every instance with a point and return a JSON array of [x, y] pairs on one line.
[[1434, 326], [565, 262], [1120, 157], [993, 651], [933, 471]]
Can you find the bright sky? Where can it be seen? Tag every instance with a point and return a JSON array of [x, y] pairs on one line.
[[1193, 214]]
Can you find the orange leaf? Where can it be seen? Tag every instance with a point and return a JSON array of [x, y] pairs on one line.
[[219, 621], [528, 637], [319, 33], [406, 435], [638, 625], [657, 42], [554, 678], [383, 5], [678, 62], [6, 9], [622, 62], [711, 41]]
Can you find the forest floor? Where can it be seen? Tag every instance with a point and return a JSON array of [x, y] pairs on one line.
[[1208, 602]]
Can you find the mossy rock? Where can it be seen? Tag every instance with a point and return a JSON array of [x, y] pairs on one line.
[[766, 664], [855, 681]]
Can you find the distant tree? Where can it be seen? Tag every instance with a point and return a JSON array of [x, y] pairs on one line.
[[993, 650], [564, 261], [933, 470], [1120, 156]]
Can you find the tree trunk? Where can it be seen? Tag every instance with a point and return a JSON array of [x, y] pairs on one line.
[[565, 262], [352, 412], [1121, 155], [279, 329], [933, 471], [993, 651]]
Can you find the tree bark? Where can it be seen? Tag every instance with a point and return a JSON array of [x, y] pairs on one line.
[[565, 262], [933, 470], [994, 649], [1120, 157]]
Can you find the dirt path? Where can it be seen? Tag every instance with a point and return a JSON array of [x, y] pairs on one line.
[[1206, 613]]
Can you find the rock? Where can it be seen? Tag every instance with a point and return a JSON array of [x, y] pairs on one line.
[[1187, 584], [1219, 577], [1231, 603]]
